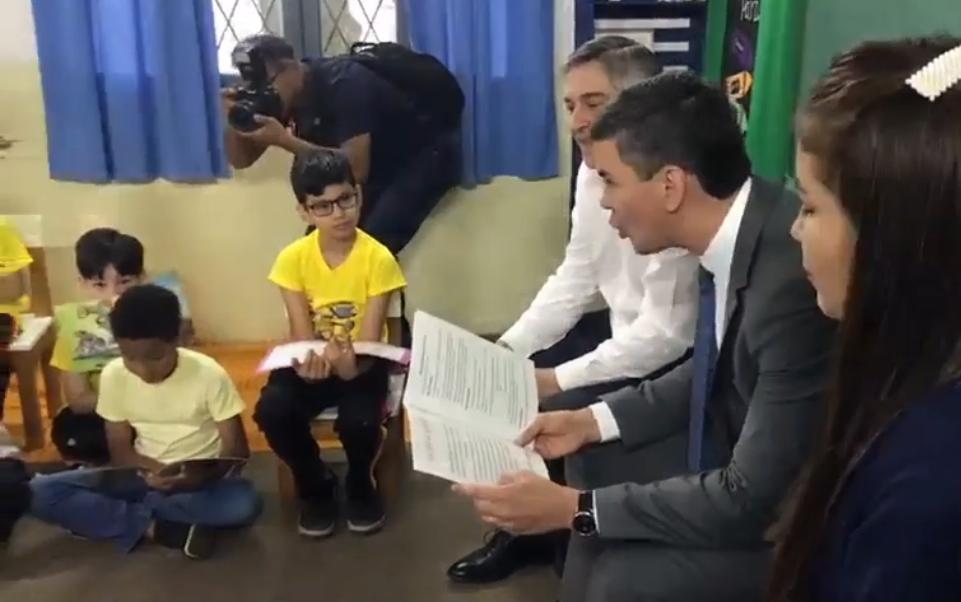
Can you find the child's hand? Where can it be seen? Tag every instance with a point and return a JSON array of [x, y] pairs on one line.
[[314, 367], [340, 355]]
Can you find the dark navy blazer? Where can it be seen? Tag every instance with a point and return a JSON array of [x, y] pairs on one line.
[[895, 531]]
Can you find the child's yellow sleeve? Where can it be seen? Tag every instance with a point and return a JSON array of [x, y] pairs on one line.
[[223, 400], [286, 270], [13, 253], [386, 275], [62, 357], [110, 402]]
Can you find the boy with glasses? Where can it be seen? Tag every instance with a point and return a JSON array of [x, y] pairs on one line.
[[336, 283]]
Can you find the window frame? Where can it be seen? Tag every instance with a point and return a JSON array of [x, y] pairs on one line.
[[301, 23]]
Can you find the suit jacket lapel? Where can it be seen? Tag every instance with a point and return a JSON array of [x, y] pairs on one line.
[[759, 204]]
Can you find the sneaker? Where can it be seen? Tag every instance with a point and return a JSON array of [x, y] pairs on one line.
[[318, 518], [200, 543], [365, 511], [195, 541]]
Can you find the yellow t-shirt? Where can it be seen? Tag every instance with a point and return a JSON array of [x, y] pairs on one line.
[[13, 258], [177, 418], [338, 297]]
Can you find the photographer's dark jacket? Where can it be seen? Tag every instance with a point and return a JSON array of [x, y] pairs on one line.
[[345, 99]]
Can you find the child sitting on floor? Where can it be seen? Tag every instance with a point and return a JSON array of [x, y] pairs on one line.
[[336, 283], [161, 405]]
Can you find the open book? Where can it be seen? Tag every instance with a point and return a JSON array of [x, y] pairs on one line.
[[204, 470], [283, 356], [120, 480], [86, 329], [467, 401]]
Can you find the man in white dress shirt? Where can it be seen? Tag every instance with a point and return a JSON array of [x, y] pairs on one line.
[[652, 299]]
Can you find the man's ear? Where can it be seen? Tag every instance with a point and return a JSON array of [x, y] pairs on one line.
[[673, 182]]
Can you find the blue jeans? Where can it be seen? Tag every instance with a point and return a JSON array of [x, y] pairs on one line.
[[66, 500]]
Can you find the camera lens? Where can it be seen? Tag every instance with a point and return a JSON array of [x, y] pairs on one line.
[[241, 116]]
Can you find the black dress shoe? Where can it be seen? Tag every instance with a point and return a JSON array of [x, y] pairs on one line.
[[500, 556]]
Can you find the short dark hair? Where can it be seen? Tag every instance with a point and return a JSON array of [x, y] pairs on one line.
[[314, 171], [147, 311], [593, 49], [676, 118], [102, 247], [629, 65], [274, 50]]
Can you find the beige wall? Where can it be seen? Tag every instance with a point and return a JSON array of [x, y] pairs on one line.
[[477, 261]]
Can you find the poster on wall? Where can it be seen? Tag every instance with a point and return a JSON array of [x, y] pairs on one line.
[[740, 49]]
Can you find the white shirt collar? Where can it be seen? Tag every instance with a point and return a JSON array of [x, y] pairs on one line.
[[719, 255]]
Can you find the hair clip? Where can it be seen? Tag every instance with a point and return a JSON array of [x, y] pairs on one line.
[[935, 78]]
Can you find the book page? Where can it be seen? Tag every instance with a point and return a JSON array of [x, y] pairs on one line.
[[32, 329], [86, 328], [459, 375], [283, 356], [463, 455]]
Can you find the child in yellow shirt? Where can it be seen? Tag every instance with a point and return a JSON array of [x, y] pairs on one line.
[[335, 283], [14, 293], [162, 404]]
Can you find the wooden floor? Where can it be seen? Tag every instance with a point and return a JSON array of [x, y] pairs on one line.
[[239, 360]]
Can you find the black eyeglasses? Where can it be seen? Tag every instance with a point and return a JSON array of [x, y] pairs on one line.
[[325, 208]]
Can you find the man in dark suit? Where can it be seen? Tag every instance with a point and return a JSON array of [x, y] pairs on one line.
[[673, 483]]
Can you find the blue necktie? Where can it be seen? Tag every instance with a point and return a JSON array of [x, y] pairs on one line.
[[705, 353]]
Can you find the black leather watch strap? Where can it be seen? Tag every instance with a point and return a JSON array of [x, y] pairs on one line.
[[584, 522]]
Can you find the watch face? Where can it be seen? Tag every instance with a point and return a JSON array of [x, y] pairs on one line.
[[584, 523]]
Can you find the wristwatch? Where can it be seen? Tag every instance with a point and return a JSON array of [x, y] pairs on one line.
[[584, 523]]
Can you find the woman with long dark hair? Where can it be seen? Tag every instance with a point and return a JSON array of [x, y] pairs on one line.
[[878, 514]]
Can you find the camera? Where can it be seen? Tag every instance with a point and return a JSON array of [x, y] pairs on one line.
[[257, 95]]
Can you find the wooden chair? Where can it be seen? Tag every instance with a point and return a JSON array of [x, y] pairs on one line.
[[31, 351], [393, 464]]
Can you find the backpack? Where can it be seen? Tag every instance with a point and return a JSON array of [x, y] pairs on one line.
[[80, 437], [430, 86]]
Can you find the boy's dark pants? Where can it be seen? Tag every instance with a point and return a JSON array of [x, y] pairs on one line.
[[287, 406]]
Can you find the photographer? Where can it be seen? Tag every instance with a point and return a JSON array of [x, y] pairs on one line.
[[403, 143]]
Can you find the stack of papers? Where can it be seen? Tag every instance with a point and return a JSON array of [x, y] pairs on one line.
[[468, 400]]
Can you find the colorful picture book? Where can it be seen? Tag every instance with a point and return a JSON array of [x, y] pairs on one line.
[[86, 329]]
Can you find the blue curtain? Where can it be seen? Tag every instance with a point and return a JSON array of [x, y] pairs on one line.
[[130, 90], [502, 52]]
